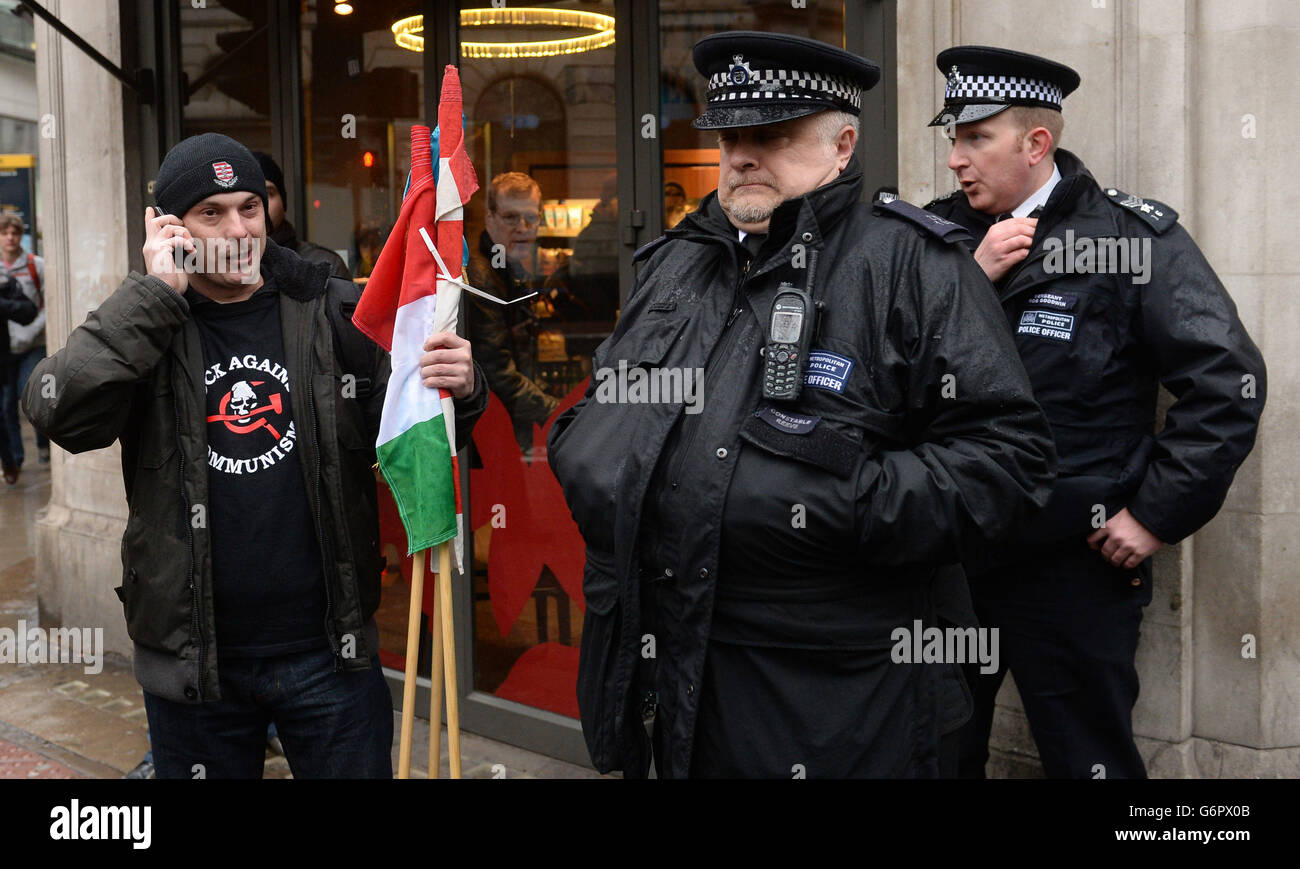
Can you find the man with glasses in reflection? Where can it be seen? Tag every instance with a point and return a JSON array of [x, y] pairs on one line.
[[753, 557], [674, 204], [504, 337]]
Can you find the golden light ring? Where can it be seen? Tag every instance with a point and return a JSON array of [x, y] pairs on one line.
[[408, 32]]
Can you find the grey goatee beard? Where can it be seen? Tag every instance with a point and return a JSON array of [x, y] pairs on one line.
[[750, 213], [755, 212]]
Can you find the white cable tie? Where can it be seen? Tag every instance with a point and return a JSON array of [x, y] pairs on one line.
[[443, 275]]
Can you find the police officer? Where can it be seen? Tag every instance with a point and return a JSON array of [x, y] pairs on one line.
[[1108, 298], [752, 555]]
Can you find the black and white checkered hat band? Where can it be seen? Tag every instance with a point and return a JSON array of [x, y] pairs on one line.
[[1002, 88], [779, 84]]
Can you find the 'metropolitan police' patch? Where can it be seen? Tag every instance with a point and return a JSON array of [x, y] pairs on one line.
[[827, 371], [1047, 324]]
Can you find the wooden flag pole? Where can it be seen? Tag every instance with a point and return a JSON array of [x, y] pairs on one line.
[[412, 662], [449, 658], [435, 683]]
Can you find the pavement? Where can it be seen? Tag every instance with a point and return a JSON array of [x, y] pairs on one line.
[[57, 721]]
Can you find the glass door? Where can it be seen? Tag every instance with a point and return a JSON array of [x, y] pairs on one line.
[[544, 235]]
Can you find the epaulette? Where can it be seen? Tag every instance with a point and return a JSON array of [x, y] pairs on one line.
[[1159, 215], [648, 248], [944, 198], [929, 221]]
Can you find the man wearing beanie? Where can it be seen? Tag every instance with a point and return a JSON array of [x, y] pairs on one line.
[[247, 407], [282, 231]]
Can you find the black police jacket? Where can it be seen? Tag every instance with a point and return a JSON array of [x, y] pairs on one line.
[[815, 525], [1113, 300]]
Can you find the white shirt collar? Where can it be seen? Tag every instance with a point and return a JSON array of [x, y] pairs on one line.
[[742, 234], [1039, 196]]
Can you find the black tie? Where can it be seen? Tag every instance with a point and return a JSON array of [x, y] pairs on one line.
[[753, 241], [1006, 215]]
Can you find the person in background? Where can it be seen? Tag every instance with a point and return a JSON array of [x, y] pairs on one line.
[[674, 204], [593, 268], [504, 336], [282, 231], [17, 307], [26, 341], [369, 243]]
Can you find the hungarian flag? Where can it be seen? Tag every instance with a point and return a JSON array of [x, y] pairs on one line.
[[407, 299]]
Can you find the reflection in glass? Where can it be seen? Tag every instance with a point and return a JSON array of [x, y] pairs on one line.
[[540, 130], [360, 95], [224, 57]]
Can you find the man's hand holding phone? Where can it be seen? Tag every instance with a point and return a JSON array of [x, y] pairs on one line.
[[166, 240]]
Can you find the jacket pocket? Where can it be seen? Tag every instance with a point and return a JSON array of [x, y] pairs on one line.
[[826, 445], [1069, 510], [589, 456], [1072, 509], [794, 492], [359, 517], [646, 343], [156, 597], [597, 693]]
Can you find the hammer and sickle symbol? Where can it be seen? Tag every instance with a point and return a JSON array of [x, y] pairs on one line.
[[245, 423]]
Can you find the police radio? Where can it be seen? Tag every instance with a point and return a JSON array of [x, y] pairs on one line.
[[789, 335]]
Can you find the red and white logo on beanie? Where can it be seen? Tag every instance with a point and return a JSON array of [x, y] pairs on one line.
[[225, 173]]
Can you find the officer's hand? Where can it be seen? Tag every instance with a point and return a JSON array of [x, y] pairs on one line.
[[1124, 541], [448, 364], [163, 233], [1005, 244]]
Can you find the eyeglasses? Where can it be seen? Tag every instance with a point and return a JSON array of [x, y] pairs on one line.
[[511, 219]]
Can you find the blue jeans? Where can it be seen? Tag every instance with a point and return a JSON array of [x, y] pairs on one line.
[[332, 724], [18, 367]]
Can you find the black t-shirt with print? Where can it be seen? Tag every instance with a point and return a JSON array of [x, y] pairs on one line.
[[268, 586]]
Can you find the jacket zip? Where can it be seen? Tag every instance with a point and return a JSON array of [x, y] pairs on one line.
[[722, 352], [195, 596], [316, 513], [1008, 292]]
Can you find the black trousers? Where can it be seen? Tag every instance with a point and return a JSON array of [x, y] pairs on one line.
[[1068, 632]]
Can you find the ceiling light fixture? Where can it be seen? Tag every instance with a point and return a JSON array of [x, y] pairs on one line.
[[409, 32], [342, 7]]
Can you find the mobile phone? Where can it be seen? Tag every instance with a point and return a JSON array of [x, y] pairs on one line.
[[178, 251]]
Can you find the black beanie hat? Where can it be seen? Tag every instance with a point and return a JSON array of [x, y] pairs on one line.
[[203, 165], [271, 171]]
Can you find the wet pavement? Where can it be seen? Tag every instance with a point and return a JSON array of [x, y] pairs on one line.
[[58, 721]]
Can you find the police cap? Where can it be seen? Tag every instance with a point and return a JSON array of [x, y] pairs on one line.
[[764, 78], [983, 81]]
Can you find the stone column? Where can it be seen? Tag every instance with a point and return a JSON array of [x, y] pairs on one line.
[[78, 536], [1178, 103]]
